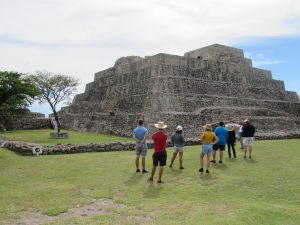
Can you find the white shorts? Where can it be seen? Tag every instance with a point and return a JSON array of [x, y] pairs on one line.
[[178, 149], [248, 140]]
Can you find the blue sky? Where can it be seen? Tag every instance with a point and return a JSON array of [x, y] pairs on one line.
[[281, 55], [82, 37]]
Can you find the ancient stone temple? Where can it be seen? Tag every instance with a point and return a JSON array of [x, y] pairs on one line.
[[206, 85]]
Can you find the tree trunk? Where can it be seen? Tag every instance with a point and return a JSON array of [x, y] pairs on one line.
[[57, 121]]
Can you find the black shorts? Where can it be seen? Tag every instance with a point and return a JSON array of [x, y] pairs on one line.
[[217, 147], [160, 157]]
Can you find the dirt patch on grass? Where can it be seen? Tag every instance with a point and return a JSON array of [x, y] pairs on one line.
[[96, 207]]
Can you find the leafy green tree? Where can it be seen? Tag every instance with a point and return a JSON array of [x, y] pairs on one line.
[[16, 93], [54, 88]]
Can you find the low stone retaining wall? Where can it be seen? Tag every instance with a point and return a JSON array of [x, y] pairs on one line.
[[25, 148]]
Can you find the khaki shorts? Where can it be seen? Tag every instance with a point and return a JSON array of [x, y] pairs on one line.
[[178, 149], [248, 140]]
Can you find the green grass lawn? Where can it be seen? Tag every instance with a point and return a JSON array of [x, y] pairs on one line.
[[42, 137], [264, 190]]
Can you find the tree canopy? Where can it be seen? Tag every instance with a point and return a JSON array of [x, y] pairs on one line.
[[16, 93], [54, 88]]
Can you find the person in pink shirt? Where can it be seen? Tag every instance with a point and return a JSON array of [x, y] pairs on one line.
[[160, 154]]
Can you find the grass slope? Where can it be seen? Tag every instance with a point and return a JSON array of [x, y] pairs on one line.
[[42, 137], [262, 191]]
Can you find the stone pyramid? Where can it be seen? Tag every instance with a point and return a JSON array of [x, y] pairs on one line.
[[207, 85]]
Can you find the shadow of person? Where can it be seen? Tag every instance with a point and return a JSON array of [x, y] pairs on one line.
[[175, 172], [220, 166], [207, 179], [251, 160], [153, 190], [134, 178]]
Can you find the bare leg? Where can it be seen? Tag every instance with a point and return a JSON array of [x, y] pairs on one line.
[[173, 158], [137, 159], [208, 162], [250, 151], [143, 162], [153, 172], [241, 141], [246, 149], [221, 155], [161, 170], [180, 158], [201, 160], [214, 155]]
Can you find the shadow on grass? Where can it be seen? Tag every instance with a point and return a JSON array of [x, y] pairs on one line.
[[175, 172], [135, 178], [231, 160], [220, 166], [153, 190], [207, 179], [250, 160]]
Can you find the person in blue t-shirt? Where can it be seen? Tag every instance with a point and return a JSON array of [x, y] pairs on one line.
[[222, 134], [140, 135]]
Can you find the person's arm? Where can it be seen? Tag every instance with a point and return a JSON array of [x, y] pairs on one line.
[[202, 137], [172, 139], [134, 137], [216, 139], [144, 139]]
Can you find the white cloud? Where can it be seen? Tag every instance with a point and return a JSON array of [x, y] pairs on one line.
[[81, 37], [261, 59]]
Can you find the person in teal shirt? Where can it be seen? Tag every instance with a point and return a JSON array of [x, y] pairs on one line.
[[222, 134], [140, 135]]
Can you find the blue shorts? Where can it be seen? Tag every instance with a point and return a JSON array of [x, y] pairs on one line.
[[206, 149], [140, 150]]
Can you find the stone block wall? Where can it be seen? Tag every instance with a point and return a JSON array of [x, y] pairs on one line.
[[204, 86], [26, 122]]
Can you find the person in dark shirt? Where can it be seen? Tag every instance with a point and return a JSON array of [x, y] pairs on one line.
[[178, 142], [248, 138], [160, 154], [231, 138]]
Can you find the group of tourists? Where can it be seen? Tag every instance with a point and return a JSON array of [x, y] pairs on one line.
[[212, 141]]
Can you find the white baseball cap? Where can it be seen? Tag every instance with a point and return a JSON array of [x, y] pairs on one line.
[[179, 127]]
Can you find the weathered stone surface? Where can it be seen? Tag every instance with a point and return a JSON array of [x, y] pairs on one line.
[[203, 86], [25, 122]]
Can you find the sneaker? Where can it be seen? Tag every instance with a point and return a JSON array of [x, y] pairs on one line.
[[181, 167], [213, 161], [245, 157], [249, 157], [160, 182], [201, 170], [220, 161], [145, 171], [170, 166], [207, 171], [150, 179], [138, 170]]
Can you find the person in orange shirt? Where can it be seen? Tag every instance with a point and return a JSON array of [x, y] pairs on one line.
[[208, 140]]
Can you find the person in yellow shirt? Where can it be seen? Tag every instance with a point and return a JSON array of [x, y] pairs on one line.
[[208, 140]]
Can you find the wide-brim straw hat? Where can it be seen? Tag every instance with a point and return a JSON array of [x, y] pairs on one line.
[[207, 127], [160, 125], [229, 127]]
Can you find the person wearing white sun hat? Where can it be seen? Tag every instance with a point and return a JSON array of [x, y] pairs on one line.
[[178, 141], [160, 154]]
